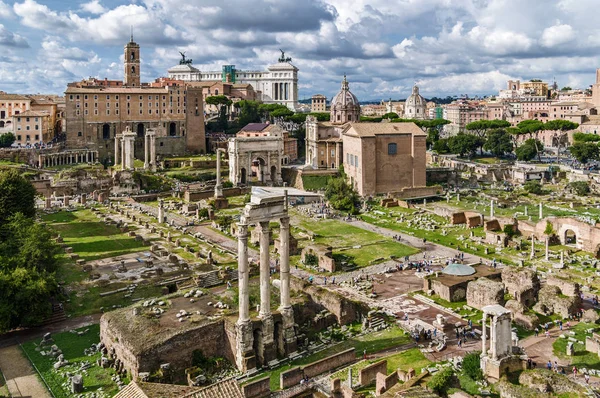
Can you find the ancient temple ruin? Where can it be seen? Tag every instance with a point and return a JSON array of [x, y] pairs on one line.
[[497, 357], [262, 339]]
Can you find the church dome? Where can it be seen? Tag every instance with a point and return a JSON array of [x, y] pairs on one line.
[[415, 98], [344, 97], [457, 269]]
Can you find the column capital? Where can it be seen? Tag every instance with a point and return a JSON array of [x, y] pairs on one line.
[[264, 226], [284, 222]]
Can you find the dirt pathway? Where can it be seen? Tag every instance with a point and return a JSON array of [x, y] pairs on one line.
[[21, 379]]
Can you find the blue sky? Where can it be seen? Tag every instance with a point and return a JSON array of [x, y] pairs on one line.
[[448, 47]]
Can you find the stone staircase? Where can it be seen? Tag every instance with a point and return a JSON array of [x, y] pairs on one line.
[[58, 315], [377, 321], [208, 279]]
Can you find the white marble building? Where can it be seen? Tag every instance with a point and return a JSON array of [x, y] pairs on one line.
[[277, 85]]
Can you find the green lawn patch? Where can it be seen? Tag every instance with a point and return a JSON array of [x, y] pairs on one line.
[[581, 357], [90, 238], [372, 343], [314, 183], [72, 347], [362, 246]]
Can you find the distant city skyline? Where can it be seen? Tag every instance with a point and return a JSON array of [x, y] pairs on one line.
[[447, 47]]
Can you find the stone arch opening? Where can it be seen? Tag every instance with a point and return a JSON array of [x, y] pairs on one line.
[[257, 346], [273, 173], [172, 129], [106, 131], [141, 130], [243, 175], [258, 169], [570, 237]]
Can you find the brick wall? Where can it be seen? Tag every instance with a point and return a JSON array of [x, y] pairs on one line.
[[257, 389], [367, 375], [293, 376], [384, 383]]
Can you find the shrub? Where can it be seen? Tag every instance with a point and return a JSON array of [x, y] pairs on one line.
[[533, 187], [203, 212], [441, 380], [471, 366], [581, 188], [510, 231], [311, 259]]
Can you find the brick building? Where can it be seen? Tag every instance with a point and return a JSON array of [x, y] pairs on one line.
[[97, 110]]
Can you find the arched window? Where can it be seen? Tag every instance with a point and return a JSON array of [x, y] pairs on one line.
[[216, 91], [132, 55], [133, 69]]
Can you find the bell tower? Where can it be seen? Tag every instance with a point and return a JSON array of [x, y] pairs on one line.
[[132, 63]]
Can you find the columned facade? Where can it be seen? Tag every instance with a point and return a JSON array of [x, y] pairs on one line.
[[67, 158], [257, 344]]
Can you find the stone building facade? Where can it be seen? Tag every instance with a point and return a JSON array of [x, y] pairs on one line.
[[32, 127], [318, 103], [96, 113], [11, 105]]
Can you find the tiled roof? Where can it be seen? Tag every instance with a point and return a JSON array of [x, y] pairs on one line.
[[33, 114], [155, 390], [224, 389], [12, 97], [373, 129]]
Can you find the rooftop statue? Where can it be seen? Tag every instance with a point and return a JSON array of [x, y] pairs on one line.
[[283, 58]]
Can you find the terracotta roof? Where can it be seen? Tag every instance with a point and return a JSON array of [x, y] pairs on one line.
[[224, 389], [33, 114], [155, 390], [373, 129], [12, 97]]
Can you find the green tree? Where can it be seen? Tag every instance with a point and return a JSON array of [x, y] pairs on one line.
[[391, 115], [222, 103], [464, 144], [6, 140], [498, 142], [562, 127], [585, 151], [248, 112], [532, 128], [566, 88], [471, 365], [440, 381], [17, 195], [549, 230], [583, 137], [321, 116], [441, 146], [433, 136], [342, 195], [529, 149], [581, 188], [533, 187]]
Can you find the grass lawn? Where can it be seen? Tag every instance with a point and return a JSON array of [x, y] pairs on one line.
[[582, 358], [3, 387], [372, 343], [346, 239], [72, 346], [90, 238]]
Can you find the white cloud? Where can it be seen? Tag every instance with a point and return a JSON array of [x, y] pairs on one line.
[[557, 35], [5, 10], [93, 7]]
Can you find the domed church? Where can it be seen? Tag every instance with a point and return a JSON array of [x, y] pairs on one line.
[[416, 105], [344, 106]]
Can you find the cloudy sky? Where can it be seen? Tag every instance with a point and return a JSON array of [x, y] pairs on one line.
[[449, 47]]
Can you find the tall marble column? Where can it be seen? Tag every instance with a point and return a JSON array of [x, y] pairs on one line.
[[243, 273], [219, 186], [284, 261], [484, 335], [494, 339], [265, 271], [146, 151]]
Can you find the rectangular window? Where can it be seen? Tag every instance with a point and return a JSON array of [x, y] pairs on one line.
[[27, 128], [37, 137], [37, 127], [86, 111], [108, 97], [95, 97], [108, 111], [117, 112], [116, 97], [95, 111], [85, 97], [392, 149]]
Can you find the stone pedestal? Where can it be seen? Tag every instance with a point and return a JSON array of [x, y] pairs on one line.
[[267, 351], [245, 356], [221, 203], [290, 343], [48, 203]]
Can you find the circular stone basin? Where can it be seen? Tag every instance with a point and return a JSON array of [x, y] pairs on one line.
[[458, 270]]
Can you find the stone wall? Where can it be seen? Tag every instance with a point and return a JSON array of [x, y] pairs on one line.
[[195, 196], [453, 293], [257, 389], [442, 176], [592, 344], [566, 287], [293, 376], [521, 283], [345, 310], [384, 383], [368, 375], [483, 292]]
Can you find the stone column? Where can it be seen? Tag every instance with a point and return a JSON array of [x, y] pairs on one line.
[[494, 339], [243, 274], [265, 271], [161, 212], [532, 256], [153, 151], [146, 152], [122, 162], [219, 186], [492, 208], [484, 334], [547, 248], [284, 261], [541, 211]]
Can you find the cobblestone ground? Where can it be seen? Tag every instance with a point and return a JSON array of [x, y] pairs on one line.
[[21, 378]]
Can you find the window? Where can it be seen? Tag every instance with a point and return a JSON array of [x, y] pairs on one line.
[[95, 111], [18, 138], [71, 97], [117, 112], [108, 111], [95, 97], [117, 97], [27, 119], [37, 137], [37, 127], [85, 97], [392, 149], [150, 97], [86, 112], [79, 134], [128, 98], [108, 97]]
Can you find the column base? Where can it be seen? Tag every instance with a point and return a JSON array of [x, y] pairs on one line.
[[289, 332], [245, 357], [267, 352]]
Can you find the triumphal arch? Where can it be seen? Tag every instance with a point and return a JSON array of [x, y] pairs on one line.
[[263, 338]]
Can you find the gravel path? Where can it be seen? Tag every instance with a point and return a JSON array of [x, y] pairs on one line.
[[21, 378]]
